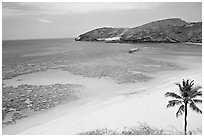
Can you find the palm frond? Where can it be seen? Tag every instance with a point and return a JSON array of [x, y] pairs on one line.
[[194, 107], [196, 93], [196, 88], [197, 100], [192, 83], [184, 83], [180, 87], [172, 103], [180, 111], [172, 94], [187, 87], [187, 83]]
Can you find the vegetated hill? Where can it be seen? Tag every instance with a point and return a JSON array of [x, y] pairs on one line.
[[172, 30]]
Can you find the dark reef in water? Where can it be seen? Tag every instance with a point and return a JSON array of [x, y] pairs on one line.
[[172, 30]]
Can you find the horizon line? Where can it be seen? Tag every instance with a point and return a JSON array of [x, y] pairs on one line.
[[38, 38]]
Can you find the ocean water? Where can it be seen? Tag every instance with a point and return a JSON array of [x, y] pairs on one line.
[[17, 50], [94, 59]]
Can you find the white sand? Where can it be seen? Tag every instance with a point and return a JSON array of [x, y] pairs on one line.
[[121, 109]]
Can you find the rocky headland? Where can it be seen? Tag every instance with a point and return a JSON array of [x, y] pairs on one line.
[[173, 30]]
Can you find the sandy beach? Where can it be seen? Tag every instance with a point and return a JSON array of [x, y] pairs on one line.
[[126, 106]]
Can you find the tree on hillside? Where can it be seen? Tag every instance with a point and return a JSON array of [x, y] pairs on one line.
[[188, 95]]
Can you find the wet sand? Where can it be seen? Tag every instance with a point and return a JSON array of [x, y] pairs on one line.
[[111, 105]]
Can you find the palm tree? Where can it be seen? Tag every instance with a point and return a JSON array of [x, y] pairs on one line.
[[188, 95]]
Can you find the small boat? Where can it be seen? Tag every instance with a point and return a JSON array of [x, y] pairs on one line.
[[134, 50]]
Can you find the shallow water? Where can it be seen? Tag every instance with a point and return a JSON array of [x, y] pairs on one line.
[[97, 86]]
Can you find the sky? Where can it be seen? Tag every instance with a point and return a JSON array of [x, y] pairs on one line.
[[38, 20]]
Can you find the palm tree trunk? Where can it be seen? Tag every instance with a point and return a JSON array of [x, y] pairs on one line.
[[185, 119]]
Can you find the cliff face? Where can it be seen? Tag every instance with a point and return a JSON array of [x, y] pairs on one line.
[[169, 30]]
